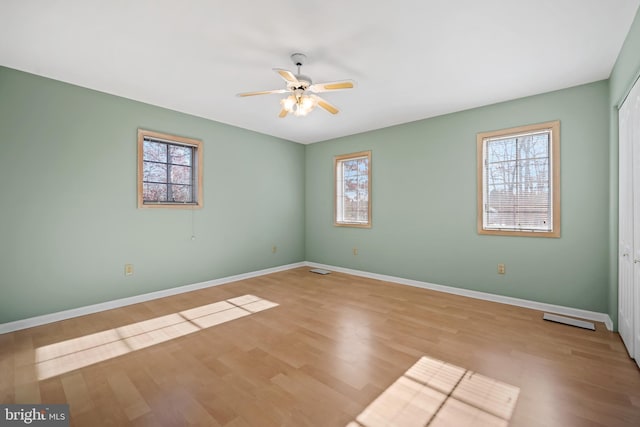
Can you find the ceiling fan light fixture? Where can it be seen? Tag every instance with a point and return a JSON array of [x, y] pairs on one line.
[[288, 103], [299, 106], [306, 104]]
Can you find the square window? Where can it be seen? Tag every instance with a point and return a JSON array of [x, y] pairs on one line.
[[169, 170]]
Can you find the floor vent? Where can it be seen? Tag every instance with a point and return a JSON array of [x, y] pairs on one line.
[[320, 271], [569, 321]]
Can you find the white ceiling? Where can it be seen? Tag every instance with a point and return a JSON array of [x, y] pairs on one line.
[[411, 59]]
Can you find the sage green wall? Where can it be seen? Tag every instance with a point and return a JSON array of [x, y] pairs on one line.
[[68, 216], [424, 204], [625, 72], [69, 220]]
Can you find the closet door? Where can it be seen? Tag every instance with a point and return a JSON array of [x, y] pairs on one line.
[[626, 253], [634, 102]]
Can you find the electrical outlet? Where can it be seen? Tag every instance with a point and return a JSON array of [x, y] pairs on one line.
[[274, 249], [355, 251], [128, 269], [501, 269]]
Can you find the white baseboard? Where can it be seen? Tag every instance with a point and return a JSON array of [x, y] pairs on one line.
[[94, 308], [81, 311], [558, 309]]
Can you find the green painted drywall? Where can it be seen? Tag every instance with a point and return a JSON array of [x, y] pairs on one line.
[[625, 72], [68, 215], [424, 204]]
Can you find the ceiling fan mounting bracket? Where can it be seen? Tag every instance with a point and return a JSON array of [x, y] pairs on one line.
[[298, 59], [304, 81]]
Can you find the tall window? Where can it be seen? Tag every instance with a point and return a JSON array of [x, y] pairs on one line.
[[169, 170], [519, 181], [353, 190]]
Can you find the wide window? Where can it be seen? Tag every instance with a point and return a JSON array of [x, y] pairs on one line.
[[519, 181], [353, 190], [169, 170]]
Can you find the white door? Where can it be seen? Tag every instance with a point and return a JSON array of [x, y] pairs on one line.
[[626, 254], [634, 100]]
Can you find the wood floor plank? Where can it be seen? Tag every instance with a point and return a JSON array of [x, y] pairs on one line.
[[323, 354], [25, 378], [129, 398], [76, 391]]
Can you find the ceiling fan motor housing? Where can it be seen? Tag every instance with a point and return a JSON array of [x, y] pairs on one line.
[[303, 82]]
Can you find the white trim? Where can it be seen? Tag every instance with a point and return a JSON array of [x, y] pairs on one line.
[[95, 308], [108, 305], [628, 90], [541, 306]]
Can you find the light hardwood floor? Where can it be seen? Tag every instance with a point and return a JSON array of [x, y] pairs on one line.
[[329, 348]]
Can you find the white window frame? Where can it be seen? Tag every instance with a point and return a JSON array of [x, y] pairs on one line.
[[339, 196], [196, 166], [553, 129]]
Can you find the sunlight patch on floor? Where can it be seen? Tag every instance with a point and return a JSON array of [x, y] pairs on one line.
[[436, 393], [65, 356]]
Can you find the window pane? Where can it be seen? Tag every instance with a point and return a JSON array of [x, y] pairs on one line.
[[350, 168], [180, 155], [154, 192], [155, 151], [533, 175], [154, 172], [534, 146], [501, 176], [349, 211], [363, 183], [363, 166], [501, 150], [180, 175], [350, 187], [499, 206], [181, 193]]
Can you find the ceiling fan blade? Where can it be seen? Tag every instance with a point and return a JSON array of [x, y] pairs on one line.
[[262, 92], [324, 104], [283, 113], [324, 87], [286, 75]]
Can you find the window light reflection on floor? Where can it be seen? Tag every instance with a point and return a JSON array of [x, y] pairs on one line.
[[65, 356], [437, 394]]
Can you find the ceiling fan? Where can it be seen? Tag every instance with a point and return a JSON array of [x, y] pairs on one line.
[[299, 103]]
